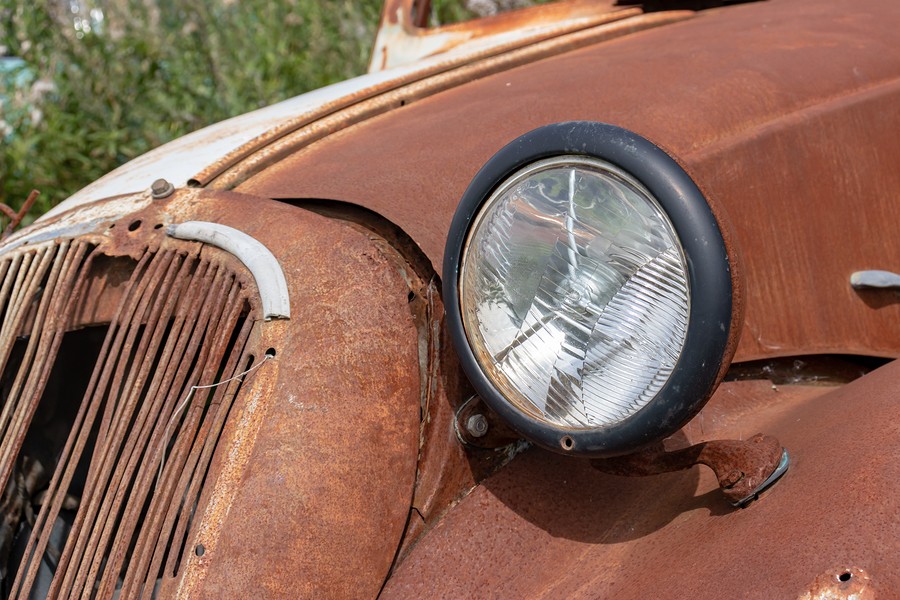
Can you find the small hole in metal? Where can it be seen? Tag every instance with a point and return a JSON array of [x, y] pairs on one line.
[[845, 576], [270, 352], [410, 296], [566, 442], [199, 550], [135, 225], [112, 226], [158, 226]]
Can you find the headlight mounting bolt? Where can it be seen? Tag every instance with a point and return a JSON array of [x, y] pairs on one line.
[[161, 189], [477, 425]]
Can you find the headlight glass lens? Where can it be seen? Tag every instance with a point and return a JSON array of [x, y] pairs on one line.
[[574, 292]]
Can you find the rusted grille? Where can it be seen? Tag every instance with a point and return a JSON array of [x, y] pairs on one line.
[[178, 319]]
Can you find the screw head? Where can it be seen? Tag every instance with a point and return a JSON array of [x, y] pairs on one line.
[[477, 425], [161, 189]]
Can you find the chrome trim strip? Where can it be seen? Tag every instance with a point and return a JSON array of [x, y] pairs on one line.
[[256, 257]]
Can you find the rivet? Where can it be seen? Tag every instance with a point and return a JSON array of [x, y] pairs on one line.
[[161, 189]]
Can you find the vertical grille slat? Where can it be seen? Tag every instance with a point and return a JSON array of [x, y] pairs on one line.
[[55, 307], [120, 404], [130, 327], [121, 445], [182, 318], [75, 444], [144, 479], [195, 423], [223, 400], [13, 408], [154, 398]]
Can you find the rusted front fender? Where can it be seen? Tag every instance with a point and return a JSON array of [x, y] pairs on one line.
[[551, 526], [318, 462], [309, 487]]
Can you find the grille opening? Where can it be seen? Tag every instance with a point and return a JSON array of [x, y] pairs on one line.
[[105, 452], [50, 427], [43, 445]]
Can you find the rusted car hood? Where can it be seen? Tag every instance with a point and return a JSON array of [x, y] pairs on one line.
[[768, 105]]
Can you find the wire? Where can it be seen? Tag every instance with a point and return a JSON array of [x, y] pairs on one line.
[[184, 403]]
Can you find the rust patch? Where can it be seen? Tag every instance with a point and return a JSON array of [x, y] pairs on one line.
[[402, 37], [842, 583]]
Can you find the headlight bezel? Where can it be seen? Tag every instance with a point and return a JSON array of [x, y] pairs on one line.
[[712, 322]]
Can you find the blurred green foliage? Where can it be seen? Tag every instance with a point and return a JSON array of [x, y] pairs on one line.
[[99, 88], [103, 81]]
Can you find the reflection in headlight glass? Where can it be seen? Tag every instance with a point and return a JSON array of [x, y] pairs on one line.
[[574, 292]]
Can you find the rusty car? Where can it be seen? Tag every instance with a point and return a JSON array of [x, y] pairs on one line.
[[585, 300]]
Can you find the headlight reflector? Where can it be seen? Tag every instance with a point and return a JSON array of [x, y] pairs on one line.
[[574, 292]]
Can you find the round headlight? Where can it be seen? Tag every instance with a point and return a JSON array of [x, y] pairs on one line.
[[588, 289]]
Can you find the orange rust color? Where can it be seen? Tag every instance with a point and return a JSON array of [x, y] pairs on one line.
[[402, 37], [769, 105], [318, 456], [323, 453], [335, 116], [549, 523]]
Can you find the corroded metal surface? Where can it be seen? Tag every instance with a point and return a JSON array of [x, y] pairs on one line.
[[317, 452], [292, 136], [771, 107], [322, 450], [843, 583], [402, 38], [547, 525], [445, 469], [144, 444], [742, 467]]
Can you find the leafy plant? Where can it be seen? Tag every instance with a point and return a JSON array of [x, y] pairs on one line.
[[105, 82], [99, 82]]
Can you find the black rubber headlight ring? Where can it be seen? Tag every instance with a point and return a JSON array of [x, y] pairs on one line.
[[709, 274]]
